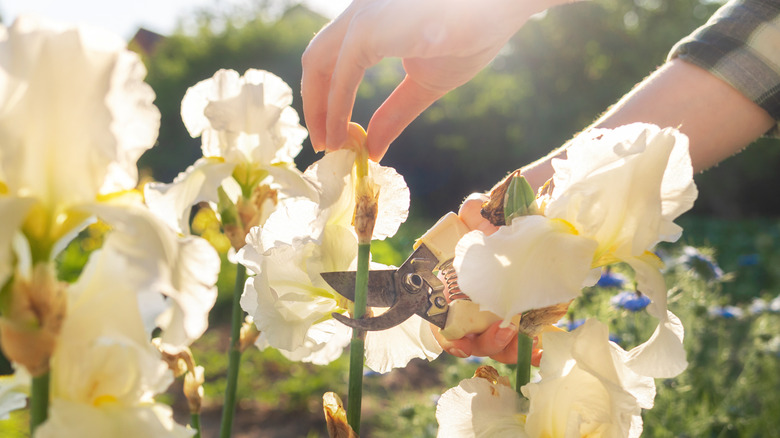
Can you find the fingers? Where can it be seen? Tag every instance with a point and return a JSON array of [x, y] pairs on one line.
[[470, 214], [341, 100], [495, 340], [403, 105], [318, 63], [314, 86], [507, 355], [357, 53], [536, 355], [492, 342]]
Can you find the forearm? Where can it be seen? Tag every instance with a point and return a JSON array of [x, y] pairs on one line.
[[718, 120]]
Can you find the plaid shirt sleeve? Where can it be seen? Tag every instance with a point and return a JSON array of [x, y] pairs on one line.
[[741, 45]]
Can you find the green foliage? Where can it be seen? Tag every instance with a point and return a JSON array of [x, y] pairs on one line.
[[17, 426], [266, 377], [556, 75], [553, 79], [239, 40]]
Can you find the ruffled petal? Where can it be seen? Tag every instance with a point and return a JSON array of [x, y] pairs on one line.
[[333, 175], [624, 187], [609, 396], [290, 182], [395, 347], [104, 351], [533, 263], [244, 118], [72, 98], [663, 355], [282, 298], [152, 420], [324, 343], [184, 269], [173, 202], [479, 408]]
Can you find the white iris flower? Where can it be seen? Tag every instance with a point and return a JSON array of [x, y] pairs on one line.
[[613, 198], [290, 302], [76, 115], [587, 388], [250, 135]]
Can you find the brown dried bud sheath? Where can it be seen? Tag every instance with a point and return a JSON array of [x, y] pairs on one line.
[[366, 209], [336, 417], [535, 321], [366, 195], [249, 334], [493, 209], [32, 319], [193, 389]]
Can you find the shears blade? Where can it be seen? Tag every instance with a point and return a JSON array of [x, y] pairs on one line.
[[411, 289], [381, 287]]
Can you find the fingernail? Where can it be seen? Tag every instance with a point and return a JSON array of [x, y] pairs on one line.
[[504, 335], [457, 352]]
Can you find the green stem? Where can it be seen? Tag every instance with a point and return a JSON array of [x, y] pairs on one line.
[[195, 423], [357, 346], [39, 401], [524, 349], [234, 355]]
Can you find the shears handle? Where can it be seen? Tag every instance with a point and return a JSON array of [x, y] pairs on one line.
[[442, 238], [464, 317]]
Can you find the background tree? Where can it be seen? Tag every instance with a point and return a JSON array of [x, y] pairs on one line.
[[556, 75]]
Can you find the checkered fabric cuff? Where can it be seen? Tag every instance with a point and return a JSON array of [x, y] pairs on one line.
[[741, 45]]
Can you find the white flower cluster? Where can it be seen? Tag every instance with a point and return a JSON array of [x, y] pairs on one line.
[[291, 303], [250, 136], [76, 115], [613, 198]]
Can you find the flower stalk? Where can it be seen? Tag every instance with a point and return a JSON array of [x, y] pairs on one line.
[[363, 221], [234, 355], [195, 423], [523, 371], [39, 401], [357, 345]]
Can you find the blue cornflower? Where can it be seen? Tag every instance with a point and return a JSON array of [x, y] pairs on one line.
[[725, 312], [570, 325], [702, 265], [630, 300], [748, 260], [367, 372], [611, 279], [475, 359]]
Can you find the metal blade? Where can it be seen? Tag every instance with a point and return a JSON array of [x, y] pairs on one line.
[[394, 316], [381, 286]]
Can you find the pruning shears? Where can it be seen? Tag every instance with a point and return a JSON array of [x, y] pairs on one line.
[[414, 288]]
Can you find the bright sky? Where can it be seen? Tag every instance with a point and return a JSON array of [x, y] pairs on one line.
[[124, 17]]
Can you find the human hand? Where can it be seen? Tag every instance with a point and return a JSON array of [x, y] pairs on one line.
[[443, 44], [496, 342]]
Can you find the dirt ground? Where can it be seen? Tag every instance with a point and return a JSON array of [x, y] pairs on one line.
[[256, 420]]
